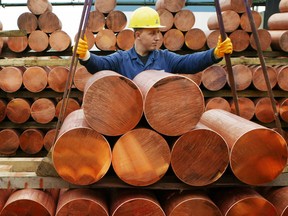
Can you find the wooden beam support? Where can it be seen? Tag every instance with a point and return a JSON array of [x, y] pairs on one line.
[[13, 33]]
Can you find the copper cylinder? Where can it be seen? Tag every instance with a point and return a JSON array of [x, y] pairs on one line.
[[105, 6], [90, 38], [184, 20], [217, 103], [38, 41], [245, 23], [39, 7], [35, 78], [96, 21], [59, 41], [173, 39], [279, 40], [89, 151], [3, 106], [264, 38], [214, 77], [71, 105], [43, 110], [242, 76], [28, 22], [257, 154], [283, 6], [30, 202], [283, 109], [141, 157], [49, 22], [196, 203], [278, 21], [135, 202], [82, 202], [195, 39], [18, 110], [170, 5], [246, 107], [235, 5], [200, 156], [263, 109], [195, 77], [242, 201], [173, 104], [166, 19], [11, 79], [125, 39], [31, 141], [49, 139], [231, 21], [81, 77], [57, 78], [106, 40], [240, 40], [279, 198], [116, 20], [112, 103], [4, 195], [17, 44], [9, 141], [258, 79], [212, 37]]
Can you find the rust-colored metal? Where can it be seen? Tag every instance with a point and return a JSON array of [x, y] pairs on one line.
[[116, 20], [125, 39], [195, 39], [166, 19], [264, 39], [200, 156], [258, 79], [49, 22], [88, 150], [214, 77], [49, 138], [283, 6], [242, 201], [283, 109], [81, 77], [57, 78], [11, 79], [173, 104], [212, 38], [263, 109], [35, 78], [235, 5], [71, 105], [106, 40], [246, 107], [257, 154], [231, 20], [279, 40], [240, 40], [43, 110], [9, 139], [194, 77], [170, 5], [112, 103], [184, 20], [31, 141], [196, 203], [82, 202], [3, 105], [30, 202], [96, 21], [135, 202], [90, 38], [38, 41], [27, 21], [245, 23], [59, 40], [242, 76], [282, 76], [217, 103], [39, 7], [17, 44], [278, 21], [4, 195], [279, 198], [173, 39], [18, 110], [105, 6], [141, 157]]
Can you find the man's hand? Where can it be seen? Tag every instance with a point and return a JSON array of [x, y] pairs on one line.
[[82, 49], [223, 48]]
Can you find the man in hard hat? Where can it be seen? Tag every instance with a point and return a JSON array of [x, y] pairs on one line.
[[145, 56]]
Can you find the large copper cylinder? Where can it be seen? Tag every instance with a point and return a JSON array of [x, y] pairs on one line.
[[282, 76], [81, 77], [231, 21], [264, 111], [234, 5], [82, 202], [173, 104], [242, 75], [217, 103], [9, 141], [30, 202], [278, 21], [245, 22], [81, 155], [112, 104], [279, 198], [242, 201], [240, 40], [166, 19], [141, 157], [257, 154], [170, 5], [11, 79], [35, 79], [283, 6], [195, 203], [279, 40], [264, 38], [246, 107], [134, 203], [199, 157], [283, 109], [258, 79], [214, 77], [4, 195]]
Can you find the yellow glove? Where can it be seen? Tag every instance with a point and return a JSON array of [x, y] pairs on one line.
[[82, 49], [223, 48]]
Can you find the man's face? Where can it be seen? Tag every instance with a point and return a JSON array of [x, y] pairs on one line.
[[149, 38]]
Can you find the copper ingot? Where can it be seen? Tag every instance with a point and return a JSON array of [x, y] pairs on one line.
[[173, 104], [81, 155], [264, 111], [246, 107], [134, 203], [279, 198], [4, 195], [141, 157], [283, 109], [217, 103], [242, 75], [282, 76], [112, 103], [257, 154], [258, 79], [30, 202], [194, 203], [82, 202], [214, 77], [242, 201], [199, 157]]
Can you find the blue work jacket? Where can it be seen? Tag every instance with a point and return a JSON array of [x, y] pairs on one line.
[[128, 64]]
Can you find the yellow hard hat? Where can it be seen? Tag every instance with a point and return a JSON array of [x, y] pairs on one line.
[[145, 17]]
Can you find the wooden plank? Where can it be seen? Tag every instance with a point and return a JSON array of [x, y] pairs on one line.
[[6, 168], [21, 164], [13, 33], [34, 62]]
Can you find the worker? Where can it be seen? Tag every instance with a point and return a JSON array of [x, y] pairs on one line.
[[145, 56]]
